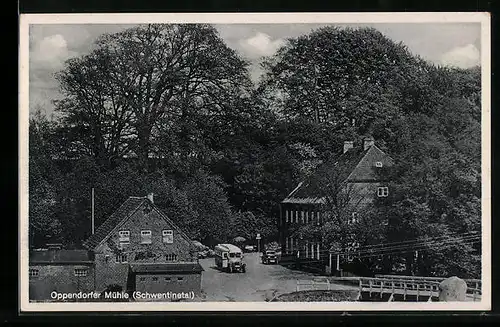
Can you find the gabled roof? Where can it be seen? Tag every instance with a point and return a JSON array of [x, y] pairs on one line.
[[145, 268], [59, 256], [127, 209], [355, 166], [124, 211]]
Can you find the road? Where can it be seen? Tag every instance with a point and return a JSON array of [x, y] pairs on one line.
[[255, 284]]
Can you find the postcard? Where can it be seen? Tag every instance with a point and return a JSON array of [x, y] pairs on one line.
[[255, 162]]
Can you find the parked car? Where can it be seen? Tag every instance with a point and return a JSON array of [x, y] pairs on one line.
[[202, 254], [269, 256]]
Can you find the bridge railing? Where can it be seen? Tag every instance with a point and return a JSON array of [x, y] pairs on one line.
[[313, 284], [402, 287], [421, 288], [473, 285]]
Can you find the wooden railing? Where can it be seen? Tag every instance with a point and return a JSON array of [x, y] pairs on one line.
[[313, 284], [474, 286], [471, 283], [381, 286], [418, 288]]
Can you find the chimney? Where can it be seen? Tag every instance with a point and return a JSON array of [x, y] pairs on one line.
[[348, 145], [151, 197], [368, 141]]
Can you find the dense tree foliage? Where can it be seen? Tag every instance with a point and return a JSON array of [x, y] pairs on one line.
[[357, 82], [169, 109]]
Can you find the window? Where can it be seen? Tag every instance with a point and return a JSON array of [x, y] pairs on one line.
[[383, 191], [307, 217], [34, 272], [155, 279], [121, 258], [145, 237], [124, 236], [378, 164], [297, 216], [80, 272], [286, 215], [302, 216], [179, 279], [171, 257], [167, 279], [224, 255], [168, 236]]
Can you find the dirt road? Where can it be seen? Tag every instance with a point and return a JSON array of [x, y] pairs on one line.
[[258, 281]]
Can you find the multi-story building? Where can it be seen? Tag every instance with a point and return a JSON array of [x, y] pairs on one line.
[[357, 171], [138, 248]]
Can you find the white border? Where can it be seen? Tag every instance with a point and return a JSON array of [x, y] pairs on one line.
[[254, 18]]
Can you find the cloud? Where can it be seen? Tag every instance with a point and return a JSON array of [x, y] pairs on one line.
[[51, 52], [462, 57], [260, 45]]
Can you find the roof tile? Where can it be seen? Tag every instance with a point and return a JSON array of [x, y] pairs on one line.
[[355, 166], [166, 267], [125, 210], [59, 256]]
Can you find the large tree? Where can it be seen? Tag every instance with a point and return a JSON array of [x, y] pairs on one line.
[[144, 82], [334, 75], [43, 180]]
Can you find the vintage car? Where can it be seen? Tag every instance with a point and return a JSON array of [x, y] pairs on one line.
[[249, 248], [269, 256], [229, 257]]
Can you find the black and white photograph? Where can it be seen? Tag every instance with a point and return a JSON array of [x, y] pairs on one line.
[[255, 162]]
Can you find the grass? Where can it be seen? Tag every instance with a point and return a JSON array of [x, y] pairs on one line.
[[318, 296]]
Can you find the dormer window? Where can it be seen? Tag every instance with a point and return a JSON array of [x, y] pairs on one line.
[[378, 164]]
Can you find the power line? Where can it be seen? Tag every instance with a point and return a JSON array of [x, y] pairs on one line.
[[416, 240], [414, 246], [403, 250], [421, 240], [415, 243]]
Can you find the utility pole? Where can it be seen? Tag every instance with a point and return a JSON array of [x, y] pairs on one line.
[[92, 211]]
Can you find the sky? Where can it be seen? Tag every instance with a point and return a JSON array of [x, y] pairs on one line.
[[451, 44]]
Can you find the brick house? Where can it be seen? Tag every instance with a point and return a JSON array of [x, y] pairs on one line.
[[138, 248], [55, 269], [136, 236], [358, 172]]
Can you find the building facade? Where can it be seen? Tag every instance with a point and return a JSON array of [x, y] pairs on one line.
[[62, 271], [138, 248], [358, 178]]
